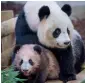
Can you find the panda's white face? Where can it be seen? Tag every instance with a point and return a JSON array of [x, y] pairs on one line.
[[28, 65], [27, 60], [61, 37], [55, 33]]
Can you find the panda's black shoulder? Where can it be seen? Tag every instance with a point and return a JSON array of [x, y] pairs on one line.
[[21, 20], [23, 33], [22, 28]]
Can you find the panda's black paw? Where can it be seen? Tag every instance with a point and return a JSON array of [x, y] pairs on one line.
[[66, 78]]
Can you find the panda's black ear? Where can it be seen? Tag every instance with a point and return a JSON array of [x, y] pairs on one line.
[[67, 9], [44, 11], [37, 48], [16, 49]]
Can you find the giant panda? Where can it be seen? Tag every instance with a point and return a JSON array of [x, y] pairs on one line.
[[48, 25], [35, 63]]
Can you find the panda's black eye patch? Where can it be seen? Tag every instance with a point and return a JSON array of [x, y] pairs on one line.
[[21, 62], [68, 31], [31, 62], [56, 33]]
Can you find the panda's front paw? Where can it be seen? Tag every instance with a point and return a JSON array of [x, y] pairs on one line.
[[66, 78]]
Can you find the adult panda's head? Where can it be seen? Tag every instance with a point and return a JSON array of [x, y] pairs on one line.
[[55, 28]]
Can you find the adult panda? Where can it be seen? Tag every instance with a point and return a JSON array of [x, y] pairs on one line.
[[47, 24]]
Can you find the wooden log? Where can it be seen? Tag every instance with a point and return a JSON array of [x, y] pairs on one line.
[[80, 78], [6, 14], [8, 27]]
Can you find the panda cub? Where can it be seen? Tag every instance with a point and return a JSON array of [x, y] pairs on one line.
[[35, 62]]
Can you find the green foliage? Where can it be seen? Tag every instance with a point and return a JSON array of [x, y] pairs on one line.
[[10, 76], [83, 81]]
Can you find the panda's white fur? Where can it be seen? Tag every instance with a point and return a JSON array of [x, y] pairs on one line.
[[57, 16], [31, 10], [56, 19], [46, 59]]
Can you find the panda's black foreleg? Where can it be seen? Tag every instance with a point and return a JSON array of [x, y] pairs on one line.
[[80, 58], [67, 70], [64, 81], [41, 77]]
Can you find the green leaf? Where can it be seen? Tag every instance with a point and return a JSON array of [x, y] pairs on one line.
[[83, 81], [18, 79], [10, 76]]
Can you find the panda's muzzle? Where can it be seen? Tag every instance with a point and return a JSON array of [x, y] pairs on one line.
[[25, 70], [67, 43], [25, 66]]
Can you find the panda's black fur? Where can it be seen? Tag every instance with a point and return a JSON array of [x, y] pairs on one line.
[[44, 11], [66, 8], [24, 35], [22, 31]]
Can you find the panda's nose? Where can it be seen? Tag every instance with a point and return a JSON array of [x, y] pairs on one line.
[[66, 43], [25, 70]]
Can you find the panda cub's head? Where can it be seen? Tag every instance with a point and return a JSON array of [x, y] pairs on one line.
[[55, 28], [27, 59]]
